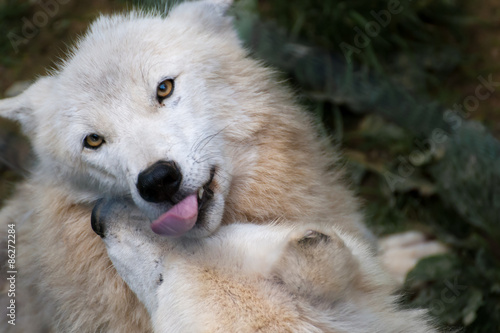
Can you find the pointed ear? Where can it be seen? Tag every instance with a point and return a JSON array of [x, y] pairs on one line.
[[220, 6], [21, 108], [209, 13]]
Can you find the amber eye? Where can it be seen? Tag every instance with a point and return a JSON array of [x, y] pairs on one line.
[[164, 89], [93, 141]]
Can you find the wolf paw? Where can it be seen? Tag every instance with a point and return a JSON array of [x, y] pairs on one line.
[[316, 265], [401, 252]]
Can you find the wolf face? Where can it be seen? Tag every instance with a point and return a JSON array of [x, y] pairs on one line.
[[143, 108]]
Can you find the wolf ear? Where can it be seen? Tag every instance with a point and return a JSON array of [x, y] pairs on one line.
[[21, 108], [209, 13], [220, 6]]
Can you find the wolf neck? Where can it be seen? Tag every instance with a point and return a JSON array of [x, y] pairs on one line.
[[283, 169], [288, 173]]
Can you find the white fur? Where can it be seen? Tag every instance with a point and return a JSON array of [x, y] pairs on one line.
[[175, 280]]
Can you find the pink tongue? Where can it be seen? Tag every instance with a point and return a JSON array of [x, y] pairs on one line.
[[179, 219]]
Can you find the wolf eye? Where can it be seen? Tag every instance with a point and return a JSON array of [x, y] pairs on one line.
[[93, 141], [164, 89]]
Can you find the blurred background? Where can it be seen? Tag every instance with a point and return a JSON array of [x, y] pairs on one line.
[[409, 89]]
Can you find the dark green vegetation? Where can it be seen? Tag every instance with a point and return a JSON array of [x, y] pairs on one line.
[[417, 132]]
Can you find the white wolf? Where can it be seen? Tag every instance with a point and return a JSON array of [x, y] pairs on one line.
[[254, 278], [173, 113]]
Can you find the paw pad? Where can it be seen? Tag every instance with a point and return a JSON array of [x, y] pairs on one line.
[[311, 238]]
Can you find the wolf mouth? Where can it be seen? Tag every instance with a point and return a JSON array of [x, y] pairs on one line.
[[205, 194], [187, 213]]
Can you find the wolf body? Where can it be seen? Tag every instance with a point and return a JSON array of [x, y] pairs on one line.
[[275, 277], [228, 142]]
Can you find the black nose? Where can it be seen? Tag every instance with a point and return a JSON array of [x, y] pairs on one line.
[[159, 182]]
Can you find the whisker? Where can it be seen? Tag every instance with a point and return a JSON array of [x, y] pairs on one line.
[[211, 138], [206, 140]]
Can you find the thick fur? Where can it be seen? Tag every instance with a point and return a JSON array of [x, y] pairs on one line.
[[255, 278], [227, 111]]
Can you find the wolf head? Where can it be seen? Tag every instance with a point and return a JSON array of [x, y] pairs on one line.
[[144, 107]]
